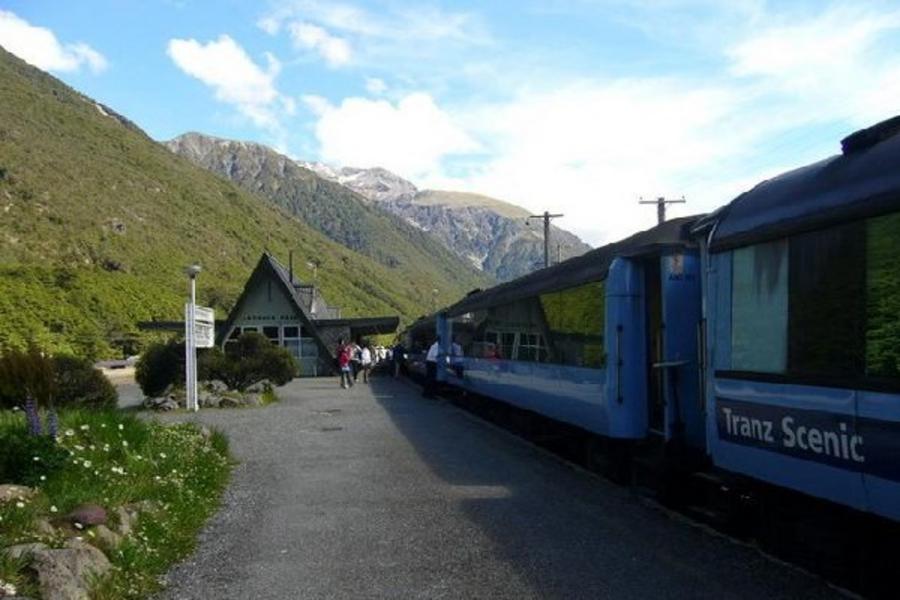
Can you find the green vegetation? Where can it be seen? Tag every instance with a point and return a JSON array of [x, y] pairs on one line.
[[174, 473], [99, 221], [52, 381], [883, 297], [575, 319]]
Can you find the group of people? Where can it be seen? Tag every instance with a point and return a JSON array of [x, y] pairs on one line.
[[354, 358]]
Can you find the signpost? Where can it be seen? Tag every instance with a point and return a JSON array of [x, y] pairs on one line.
[[199, 332]]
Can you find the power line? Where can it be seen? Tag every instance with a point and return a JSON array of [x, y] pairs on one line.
[[661, 206], [546, 217]]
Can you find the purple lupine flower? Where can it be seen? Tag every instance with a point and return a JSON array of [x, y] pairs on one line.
[[52, 424], [31, 414]]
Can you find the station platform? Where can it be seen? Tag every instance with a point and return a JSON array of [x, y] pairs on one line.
[[376, 492]]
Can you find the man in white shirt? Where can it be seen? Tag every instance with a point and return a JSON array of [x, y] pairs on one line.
[[430, 389]]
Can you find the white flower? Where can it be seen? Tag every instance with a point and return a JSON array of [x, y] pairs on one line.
[[8, 589], [53, 509], [103, 425], [70, 432], [125, 443], [37, 459], [87, 464], [78, 525], [43, 478], [162, 454], [20, 505], [121, 427], [85, 427]]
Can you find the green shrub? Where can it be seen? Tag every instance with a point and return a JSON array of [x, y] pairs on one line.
[[26, 374], [79, 384], [250, 359], [52, 381], [161, 365], [26, 458]]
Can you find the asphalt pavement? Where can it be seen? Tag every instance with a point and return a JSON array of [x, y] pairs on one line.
[[376, 492]]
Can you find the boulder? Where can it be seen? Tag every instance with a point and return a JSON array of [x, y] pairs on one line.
[[126, 520], [10, 491], [252, 399], [107, 537], [167, 405], [208, 399], [230, 402], [215, 386], [88, 514], [65, 573], [19, 550], [259, 387], [44, 527]]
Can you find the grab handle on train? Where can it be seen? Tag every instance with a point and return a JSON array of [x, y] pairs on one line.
[[619, 363]]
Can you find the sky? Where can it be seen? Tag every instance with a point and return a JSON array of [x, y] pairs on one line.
[[578, 107]]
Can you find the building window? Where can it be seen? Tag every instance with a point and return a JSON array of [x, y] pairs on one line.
[[271, 332], [291, 331], [760, 308]]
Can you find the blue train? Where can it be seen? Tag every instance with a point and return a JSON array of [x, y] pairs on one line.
[[761, 340]]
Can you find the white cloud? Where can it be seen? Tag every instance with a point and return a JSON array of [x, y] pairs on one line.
[[410, 137], [224, 66], [375, 86], [335, 50], [40, 47]]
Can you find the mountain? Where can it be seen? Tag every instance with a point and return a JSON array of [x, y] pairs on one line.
[[491, 234], [97, 222], [333, 209]]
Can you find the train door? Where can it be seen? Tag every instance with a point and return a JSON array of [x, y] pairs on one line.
[[656, 404]]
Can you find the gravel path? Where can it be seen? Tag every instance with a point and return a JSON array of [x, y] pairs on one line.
[[378, 493]]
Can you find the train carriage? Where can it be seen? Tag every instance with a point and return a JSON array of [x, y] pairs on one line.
[[802, 302], [606, 342]]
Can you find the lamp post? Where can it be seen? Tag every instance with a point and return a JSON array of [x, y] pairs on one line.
[[190, 344]]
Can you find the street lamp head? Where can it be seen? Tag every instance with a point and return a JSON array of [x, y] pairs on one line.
[[193, 270]]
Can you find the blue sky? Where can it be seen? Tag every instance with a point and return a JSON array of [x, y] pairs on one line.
[[577, 106]]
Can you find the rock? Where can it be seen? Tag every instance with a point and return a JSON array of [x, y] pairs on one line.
[[215, 386], [260, 387], [126, 520], [208, 399], [9, 491], [230, 402], [253, 399], [19, 550], [106, 536], [44, 527], [167, 405], [65, 573], [88, 514]]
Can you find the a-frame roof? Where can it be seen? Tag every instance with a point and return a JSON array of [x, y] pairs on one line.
[[269, 267]]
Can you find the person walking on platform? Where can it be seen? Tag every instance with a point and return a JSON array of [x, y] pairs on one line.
[[430, 389], [365, 362], [343, 360], [398, 354], [355, 359]]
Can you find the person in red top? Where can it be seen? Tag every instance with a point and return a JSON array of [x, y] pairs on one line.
[[343, 359]]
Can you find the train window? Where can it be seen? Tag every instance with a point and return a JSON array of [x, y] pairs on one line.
[[575, 321], [883, 297], [827, 301], [760, 308]]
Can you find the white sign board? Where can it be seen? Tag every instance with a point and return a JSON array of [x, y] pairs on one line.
[[204, 327]]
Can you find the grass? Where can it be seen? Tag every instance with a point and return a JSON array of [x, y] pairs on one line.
[[114, 459]]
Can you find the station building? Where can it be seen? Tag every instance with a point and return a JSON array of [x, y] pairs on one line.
[[294, 315]]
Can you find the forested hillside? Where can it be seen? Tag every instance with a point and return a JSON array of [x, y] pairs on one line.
[[97, 222]]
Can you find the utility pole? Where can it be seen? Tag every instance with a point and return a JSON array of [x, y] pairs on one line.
[[546, 218], [661, 207]]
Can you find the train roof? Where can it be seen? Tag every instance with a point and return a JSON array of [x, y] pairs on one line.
[[861, 182], [590, 266]]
